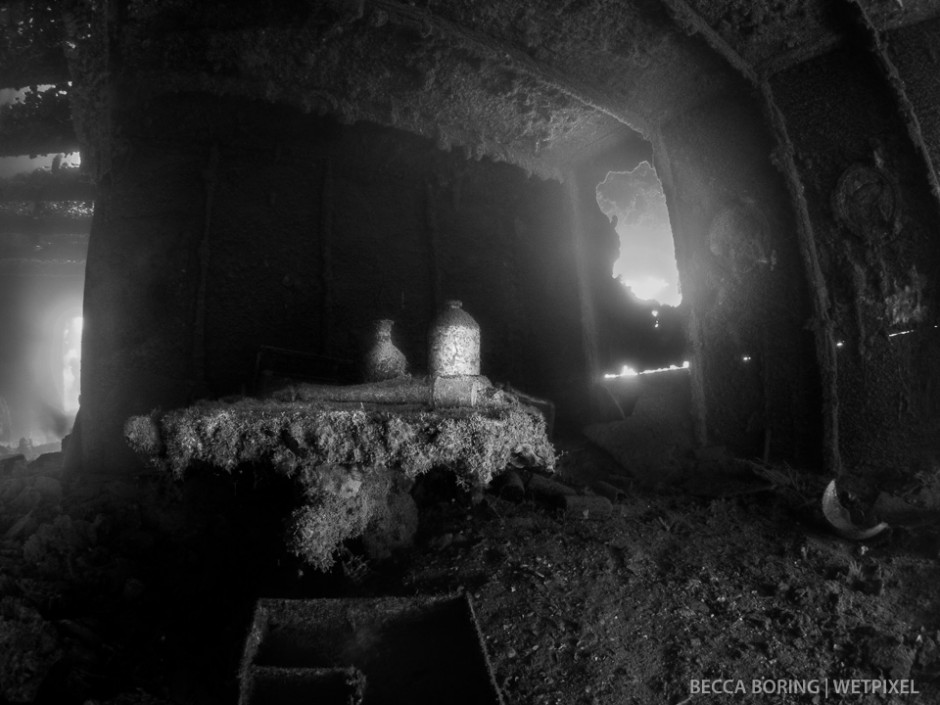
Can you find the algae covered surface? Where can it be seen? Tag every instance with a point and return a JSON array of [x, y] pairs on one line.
[[348, 460], [299, 437]]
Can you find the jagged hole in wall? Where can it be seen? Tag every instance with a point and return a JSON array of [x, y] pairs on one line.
[[71, 364], [18, 164], [41, 370], [647, 270], [647, 262]]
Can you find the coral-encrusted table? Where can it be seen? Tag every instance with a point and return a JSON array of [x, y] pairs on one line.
[[352, 451]]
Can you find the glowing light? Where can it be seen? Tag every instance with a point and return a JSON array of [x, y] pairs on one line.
[[745, 358], [654, 313], [72, 364], [11, 166], [627, 371], [645, 288], [840, 344], [903, 332], [18, 164], [636, 204]]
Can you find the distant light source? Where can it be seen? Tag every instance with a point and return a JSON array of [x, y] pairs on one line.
[[745, 358], [636, 203], [11, 166], [840, 344], [646, 288], [72, 364], [903, 332], [627, 371]]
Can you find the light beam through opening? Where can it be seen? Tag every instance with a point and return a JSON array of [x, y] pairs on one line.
[[647, 262]]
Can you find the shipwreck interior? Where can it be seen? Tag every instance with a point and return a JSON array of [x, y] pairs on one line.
[[366, 351]]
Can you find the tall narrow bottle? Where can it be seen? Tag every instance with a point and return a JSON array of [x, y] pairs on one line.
[[454, 343]]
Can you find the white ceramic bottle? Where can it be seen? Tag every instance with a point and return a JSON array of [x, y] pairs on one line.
[[454, 344]]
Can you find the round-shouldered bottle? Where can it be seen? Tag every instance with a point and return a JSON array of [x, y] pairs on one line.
[[384, 360], [454, 343]]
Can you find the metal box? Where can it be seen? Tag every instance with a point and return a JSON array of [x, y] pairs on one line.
[[374, 651]]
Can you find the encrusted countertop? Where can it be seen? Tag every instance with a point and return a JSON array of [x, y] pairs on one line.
[[353, 460]]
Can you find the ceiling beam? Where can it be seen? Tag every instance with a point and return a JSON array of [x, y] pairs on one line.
[[903, 102], [693, 23], [507, 54]]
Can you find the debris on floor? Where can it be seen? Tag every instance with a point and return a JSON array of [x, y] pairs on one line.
[[143, 596]]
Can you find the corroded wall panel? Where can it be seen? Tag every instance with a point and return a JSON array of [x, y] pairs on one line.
[[754, 372], [874, 225]]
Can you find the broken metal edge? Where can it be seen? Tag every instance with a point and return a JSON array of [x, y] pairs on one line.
[[840, 519]]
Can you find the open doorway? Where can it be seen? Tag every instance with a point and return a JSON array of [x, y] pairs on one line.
[[71, 364], [46, 205], [649, 330], [647, 262]]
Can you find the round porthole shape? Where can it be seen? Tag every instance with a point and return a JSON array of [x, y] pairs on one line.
[[866, 202]]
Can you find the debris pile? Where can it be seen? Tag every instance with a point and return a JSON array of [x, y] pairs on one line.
[[99, 603]]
